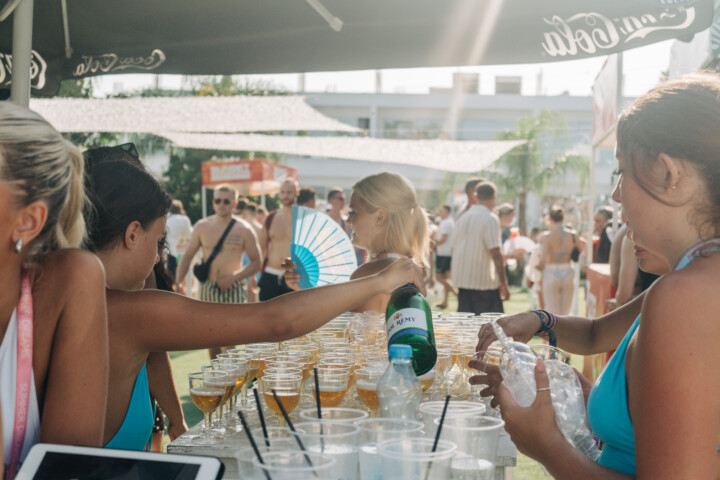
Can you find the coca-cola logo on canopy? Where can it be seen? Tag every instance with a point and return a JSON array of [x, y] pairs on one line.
[[111, 62], [592, 32], [38, 70]]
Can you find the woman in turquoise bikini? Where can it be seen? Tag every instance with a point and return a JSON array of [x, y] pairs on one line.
[[656, 406], [125, 225]]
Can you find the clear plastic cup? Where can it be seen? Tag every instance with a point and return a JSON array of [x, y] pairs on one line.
[[339, 415], [280, 437], [339, 440], [245, 456], [297, 465], [376, 430], [432, 410], [477, 442], [413, 458], [474, 436]]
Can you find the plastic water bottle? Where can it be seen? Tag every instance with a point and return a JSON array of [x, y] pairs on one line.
[[399, 390], [518, 370], [408, 321]]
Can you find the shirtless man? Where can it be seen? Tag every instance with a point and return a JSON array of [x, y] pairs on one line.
[[279, 231], [248, 215], [225, 283]]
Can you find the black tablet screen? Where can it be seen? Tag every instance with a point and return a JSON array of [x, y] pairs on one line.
[[68, 466]]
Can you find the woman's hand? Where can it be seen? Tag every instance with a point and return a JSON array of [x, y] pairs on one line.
[[291, 279], [533, 429], [401, 272], [491, 377], [175, 429], [522, 327]]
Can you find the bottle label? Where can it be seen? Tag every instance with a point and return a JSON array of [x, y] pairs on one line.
[[406, 321]]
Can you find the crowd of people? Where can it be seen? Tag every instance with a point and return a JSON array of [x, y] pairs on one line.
[[95, 248]]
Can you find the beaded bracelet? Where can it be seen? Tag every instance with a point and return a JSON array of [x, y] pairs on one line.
[[547, 322]]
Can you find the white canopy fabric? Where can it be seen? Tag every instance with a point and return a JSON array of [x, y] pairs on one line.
[[186, 114], [445, 155]]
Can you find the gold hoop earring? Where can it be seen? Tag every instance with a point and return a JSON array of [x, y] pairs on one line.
[[18, 246]]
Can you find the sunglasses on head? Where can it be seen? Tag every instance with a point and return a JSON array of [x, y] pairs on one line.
[[225, 201], [130, 148]]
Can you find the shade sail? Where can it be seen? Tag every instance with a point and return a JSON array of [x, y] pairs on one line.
[[445, 155], [185, 114], [286, 36]]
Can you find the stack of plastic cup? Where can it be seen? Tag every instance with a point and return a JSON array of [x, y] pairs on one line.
[[338, 440], [376, 430], [296, 465], [433, 410], [414, 458], [477, 442]]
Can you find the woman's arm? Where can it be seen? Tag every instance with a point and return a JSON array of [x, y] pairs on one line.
[[161, 321], [162, 387], [673, 385], [579, 335], [77, 380]]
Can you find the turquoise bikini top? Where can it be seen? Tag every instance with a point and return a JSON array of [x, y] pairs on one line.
[[136, 429], [607, 407]]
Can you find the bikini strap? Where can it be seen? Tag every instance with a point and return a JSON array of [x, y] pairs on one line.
[[24, 372], [698, 249]]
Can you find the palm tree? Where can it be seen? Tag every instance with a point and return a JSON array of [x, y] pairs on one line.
[[531, 166]]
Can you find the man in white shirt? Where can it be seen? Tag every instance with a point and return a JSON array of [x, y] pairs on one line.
[[477, 264], [178, 231], [443, 252]]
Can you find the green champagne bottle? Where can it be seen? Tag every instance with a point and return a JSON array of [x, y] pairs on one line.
[[408, 321]]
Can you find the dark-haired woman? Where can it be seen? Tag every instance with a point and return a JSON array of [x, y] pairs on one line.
[[127, 222], [656, 405], [557, 281], [53, 329]]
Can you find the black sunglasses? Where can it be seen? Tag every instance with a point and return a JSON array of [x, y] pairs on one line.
[[218, 201], [130, 148]]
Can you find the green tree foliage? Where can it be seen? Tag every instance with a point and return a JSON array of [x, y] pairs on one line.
[[532, 166]]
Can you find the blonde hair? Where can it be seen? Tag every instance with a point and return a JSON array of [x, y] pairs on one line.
[[45, 167], [406, 229]]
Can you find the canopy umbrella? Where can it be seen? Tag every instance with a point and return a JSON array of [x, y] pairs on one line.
[[88, 37]]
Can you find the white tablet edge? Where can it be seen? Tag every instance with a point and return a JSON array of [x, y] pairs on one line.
[[210, 468]]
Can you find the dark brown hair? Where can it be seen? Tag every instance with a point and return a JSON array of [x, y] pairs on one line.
[[471, 183], [680, 118], [557, 214], [485, 190]]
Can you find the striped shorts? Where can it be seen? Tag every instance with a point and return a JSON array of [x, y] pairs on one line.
[[210, 292]]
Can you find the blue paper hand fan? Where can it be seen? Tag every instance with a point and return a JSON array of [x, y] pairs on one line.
[[320, 249]]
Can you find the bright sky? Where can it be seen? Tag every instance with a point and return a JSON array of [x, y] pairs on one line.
[[642, 69]]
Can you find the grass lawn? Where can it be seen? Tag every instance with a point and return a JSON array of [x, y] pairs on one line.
[[190, 361]]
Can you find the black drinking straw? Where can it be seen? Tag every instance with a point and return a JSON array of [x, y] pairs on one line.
[[252, 442], [437, 434], [292, 428], [262, 418], [319, 410]]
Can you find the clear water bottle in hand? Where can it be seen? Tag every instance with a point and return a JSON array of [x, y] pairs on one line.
[[399, 390], [518, 370]]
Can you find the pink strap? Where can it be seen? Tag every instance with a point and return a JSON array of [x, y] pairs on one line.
[[24, 372]]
